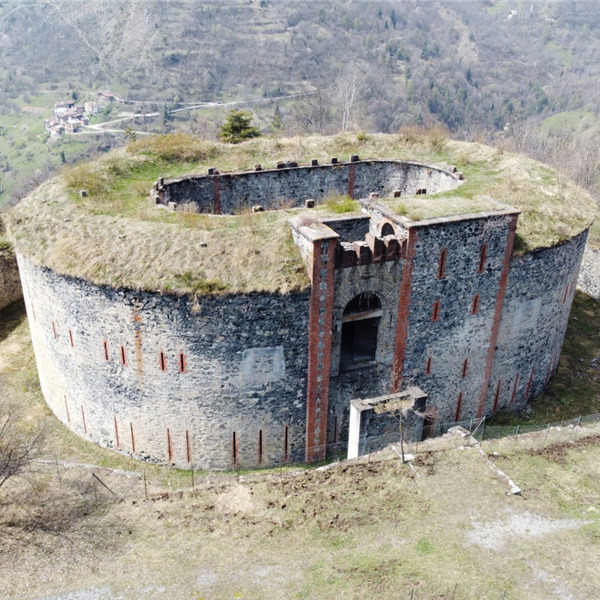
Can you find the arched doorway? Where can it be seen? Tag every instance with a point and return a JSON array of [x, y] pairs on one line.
[[360, 326]]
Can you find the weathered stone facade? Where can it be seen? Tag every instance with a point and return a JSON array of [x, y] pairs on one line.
[[251, 379], [163, 379], [540, 291]]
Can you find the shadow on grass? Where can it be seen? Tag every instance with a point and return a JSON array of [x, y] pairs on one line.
[[10, 318]]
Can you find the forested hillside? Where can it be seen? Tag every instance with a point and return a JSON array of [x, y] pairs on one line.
[[525, 74]]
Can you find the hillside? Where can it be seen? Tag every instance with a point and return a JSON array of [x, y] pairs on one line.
[[519, 73]]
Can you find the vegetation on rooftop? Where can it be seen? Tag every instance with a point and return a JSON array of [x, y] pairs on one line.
[[117, 236]]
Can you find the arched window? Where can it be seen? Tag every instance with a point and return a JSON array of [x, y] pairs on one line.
[[360, 325], [387, 229]]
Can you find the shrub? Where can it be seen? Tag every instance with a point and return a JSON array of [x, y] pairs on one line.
[[237, 127]]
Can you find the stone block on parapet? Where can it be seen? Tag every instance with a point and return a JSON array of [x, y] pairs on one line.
[[280, 164], [172, 206], [258, 167], [334, 160], [376, 246], [373, 195], [314, 162], [346, 255], [392, 247], [212, 171], [363, 253], [258, 208], [354, 158], [309, 203]]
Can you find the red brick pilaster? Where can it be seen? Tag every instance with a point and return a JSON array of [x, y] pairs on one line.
[[216, 196], [403, 310], [319, 347], [351, 181], [489, 361]]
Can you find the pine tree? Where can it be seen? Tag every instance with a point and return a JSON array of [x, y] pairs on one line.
[[276, 124], [237, 127]]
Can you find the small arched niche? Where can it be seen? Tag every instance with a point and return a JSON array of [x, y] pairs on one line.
[[360, 328], [387, 229]]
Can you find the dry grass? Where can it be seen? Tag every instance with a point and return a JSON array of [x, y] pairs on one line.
[[374, 529], [174, 147], [6, 248], [419, 208], [116, 237]]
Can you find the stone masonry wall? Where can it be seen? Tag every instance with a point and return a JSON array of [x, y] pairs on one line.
[[10, 283], [232, 364], [451, 318], [540, 291], [230, 192]]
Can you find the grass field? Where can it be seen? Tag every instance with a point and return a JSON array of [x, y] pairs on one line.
[[378, 529]]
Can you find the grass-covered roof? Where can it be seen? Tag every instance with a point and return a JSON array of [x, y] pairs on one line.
[[117, 236]]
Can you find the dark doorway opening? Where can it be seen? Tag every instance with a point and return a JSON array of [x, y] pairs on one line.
[[360, 328], [428, 427]]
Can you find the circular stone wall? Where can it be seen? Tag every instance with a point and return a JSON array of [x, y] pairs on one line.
[[164, 379], [226, 376], [289, 186]]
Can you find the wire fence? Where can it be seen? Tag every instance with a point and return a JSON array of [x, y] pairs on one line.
[[106, 484]]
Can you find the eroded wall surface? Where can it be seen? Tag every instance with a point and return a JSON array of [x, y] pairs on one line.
[[452, 316], [225, 379]]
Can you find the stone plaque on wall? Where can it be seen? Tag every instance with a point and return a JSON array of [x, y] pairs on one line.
[[262, 365]]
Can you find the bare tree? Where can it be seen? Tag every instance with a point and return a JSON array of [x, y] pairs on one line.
[[348, 90], [18, 447], [313, 112]]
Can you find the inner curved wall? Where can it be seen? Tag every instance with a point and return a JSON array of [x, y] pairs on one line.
[[229, 193]]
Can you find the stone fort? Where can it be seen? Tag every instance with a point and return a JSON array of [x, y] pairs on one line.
[[432, 319]]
